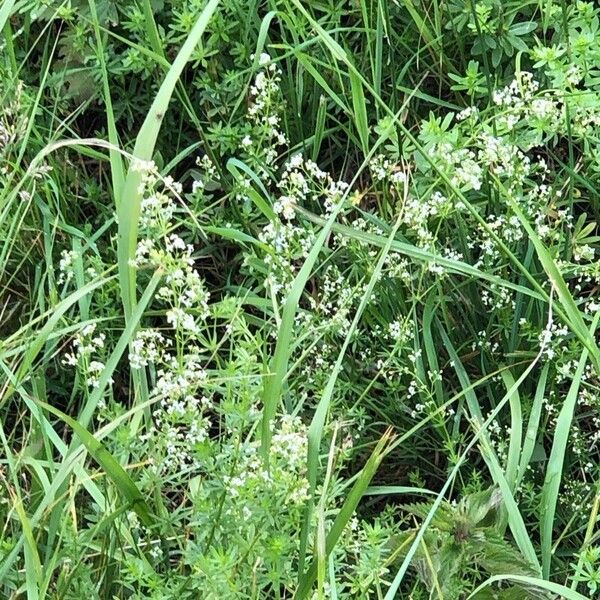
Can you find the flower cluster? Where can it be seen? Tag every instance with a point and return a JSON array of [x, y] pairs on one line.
[[86, 344], [264, 135], [65, 266], [160, 246], [286, 476]]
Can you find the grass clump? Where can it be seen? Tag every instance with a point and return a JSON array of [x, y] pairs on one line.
[[300, 300]]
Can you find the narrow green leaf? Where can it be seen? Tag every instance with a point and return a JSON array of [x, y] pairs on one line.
[[125, 338], [39, 339], [385, 490], [359, 105], [511, 512], [345, 514], [573, 314], [5, 11], [543, 584], [307, 64], [516, 431], [531, 435], [128, 208], [117, 169], [450, 265], [523, 28], [234, 166], [550, 491], [317, 425], [111, 467]]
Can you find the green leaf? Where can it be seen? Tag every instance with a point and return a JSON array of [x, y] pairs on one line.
[[531, 435], [345, 514], [359, 105], [516, 431], [128, 204], [572, 315], [554, 470], [40, 337], [523, 28], [496, 555], [477, 506], [517, 43], [5, 12], [541, 584], [443, 519], [111, 467]]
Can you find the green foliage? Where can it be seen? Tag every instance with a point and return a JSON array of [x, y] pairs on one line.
[[300, 300], [463, 543], [587, 571]]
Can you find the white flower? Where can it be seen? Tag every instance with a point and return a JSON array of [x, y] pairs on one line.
[[264, 59], [66, 264], [467, 113], [147, 347], [285, 206], [178, 318]]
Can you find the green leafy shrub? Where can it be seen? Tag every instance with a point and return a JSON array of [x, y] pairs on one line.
[[348, 346]]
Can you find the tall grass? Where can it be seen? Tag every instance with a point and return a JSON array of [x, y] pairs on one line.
[[349, 382]]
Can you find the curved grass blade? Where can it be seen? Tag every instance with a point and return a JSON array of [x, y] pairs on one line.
[[393, 589], [116, 160], [33, 565], [315, 431], [359, 105], [384, 490], [450, 265], [128, 205], [125, 338], [40, 338], [5, 11], [111, 467], [550, 586], [345, 514], [573, 314], [511, 514], [531, 435], [516, 431], [279, 363], [550, 491], [233, 164]]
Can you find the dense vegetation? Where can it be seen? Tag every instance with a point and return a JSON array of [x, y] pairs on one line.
[[299, 299]]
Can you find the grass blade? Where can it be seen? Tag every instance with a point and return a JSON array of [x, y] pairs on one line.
[[395, 585], [343, 517], [516, 431], [499, 476], [128, 204], [359, 104], [315, 432], [88, 409], [573, 314], [5, 11], [41, 337], [116, 160], [111, 467], [550, 491], [531, 434], [555, 588]]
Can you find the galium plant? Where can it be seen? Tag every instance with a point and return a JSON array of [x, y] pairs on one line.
[[412, 260]]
